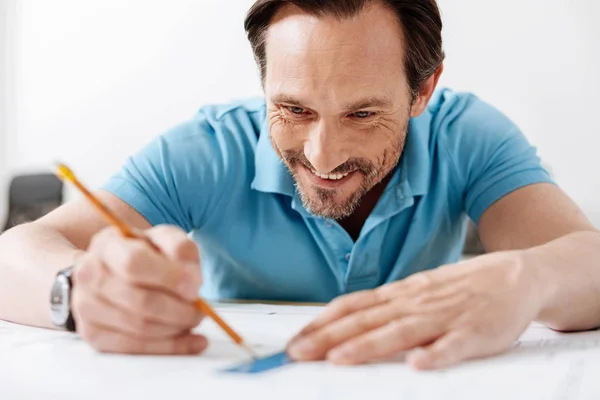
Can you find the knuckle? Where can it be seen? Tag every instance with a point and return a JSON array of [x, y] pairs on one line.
[[341, 305], [324, 339], [142, 327], [185, 249], [143, 301], [389, 291], [420, 280], [96, 242], [166, 233], [99, 239], [402, 331], [83, 270], [365, 320], [132, 261], [175, 242], [349, 303], [165, 229]]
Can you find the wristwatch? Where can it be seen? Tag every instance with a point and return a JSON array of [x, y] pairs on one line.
[[60, 300]]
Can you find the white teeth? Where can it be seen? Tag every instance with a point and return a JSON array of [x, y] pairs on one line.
[[333, 177]]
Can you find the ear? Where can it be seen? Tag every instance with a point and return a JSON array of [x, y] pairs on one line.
[[426, 92]]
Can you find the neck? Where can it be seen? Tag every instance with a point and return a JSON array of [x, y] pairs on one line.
[[353, 223]]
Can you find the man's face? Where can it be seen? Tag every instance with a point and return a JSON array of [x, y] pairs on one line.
[[338, 103]]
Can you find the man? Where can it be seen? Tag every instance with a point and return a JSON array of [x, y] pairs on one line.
[[351, 180]]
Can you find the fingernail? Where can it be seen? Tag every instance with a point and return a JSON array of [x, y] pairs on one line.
[[302, 347], [198, 344], [340, 354]]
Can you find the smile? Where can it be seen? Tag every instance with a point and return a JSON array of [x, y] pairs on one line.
[[327, 181], [332, 177]]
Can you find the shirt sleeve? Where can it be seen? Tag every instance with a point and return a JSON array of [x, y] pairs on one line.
[[491, 156], [177, 178]]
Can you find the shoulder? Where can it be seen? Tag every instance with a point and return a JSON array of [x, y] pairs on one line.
[[236, 121], [485, 149], [464, 124], [215, 146], [220, 137], [463, 115]]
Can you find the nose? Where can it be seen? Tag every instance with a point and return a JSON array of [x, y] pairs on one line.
[[325, 148]]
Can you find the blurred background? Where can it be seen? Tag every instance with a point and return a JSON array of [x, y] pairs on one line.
[[88, 82]]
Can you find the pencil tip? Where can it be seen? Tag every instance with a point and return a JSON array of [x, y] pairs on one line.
[[249, 350]]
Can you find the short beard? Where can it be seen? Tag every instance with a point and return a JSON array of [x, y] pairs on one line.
[[323, 203]]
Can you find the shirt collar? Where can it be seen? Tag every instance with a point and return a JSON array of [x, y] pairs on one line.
[[271, 175], [412, 173], [416, 160]]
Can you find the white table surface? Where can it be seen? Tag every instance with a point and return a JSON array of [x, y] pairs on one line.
[[43, 364]]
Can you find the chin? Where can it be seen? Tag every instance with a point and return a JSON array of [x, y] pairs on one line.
[[328, 199], [327, 203]]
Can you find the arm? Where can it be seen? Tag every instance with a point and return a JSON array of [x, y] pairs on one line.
[[556, 240], [539, 266], [33, 253]]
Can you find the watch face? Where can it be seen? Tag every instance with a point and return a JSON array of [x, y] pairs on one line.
[[59, 300]]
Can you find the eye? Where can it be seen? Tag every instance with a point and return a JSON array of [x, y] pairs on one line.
[[296, 110], [363, 114]]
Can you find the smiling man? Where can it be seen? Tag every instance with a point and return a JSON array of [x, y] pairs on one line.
[[351, 180]]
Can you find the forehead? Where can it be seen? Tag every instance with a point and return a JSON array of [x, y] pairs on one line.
[[327, 54]]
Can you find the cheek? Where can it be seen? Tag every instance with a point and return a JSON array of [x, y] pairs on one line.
[[372, 145], [285, 135]]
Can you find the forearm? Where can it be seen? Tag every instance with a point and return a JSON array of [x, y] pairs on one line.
[[569, 272], [32, 254]]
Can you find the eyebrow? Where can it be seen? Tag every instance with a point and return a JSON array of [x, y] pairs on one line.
[[370, 102], [284, 98]]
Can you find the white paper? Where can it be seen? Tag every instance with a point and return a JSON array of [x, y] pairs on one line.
[[42, 364]]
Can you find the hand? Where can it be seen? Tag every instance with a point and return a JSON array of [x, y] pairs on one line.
[[130, 298], [456, 312]]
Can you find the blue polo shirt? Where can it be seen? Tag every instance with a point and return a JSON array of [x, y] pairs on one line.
[[217, 177]]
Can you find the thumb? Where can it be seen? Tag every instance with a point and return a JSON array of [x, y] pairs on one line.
[[173, 243]]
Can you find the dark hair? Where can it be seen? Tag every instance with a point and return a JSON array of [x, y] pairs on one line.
[[420, 19]]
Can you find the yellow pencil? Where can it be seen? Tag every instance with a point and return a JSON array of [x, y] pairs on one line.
[[66, 174]]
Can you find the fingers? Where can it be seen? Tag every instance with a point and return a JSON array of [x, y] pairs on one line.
[[340, 307], [109, 341], [136, 295], [386, 341], [173, 243], [449, 350], [89, 309], [317, 343], [137, 263], [138, 301]]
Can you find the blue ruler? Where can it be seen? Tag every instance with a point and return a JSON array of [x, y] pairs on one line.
[[262, 364]]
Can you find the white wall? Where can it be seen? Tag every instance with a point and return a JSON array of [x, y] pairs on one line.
[[94, 80], [4, 31], [538, 61]]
